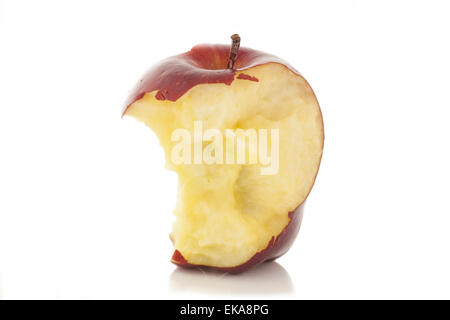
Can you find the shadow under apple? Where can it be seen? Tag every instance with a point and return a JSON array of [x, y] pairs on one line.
[[266, 279]]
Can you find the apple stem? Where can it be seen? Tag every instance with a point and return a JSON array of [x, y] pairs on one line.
[[235, 43]]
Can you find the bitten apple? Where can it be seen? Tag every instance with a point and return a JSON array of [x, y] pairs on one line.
[[230, 216]]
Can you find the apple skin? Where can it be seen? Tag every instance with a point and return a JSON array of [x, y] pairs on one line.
[[205, 64]]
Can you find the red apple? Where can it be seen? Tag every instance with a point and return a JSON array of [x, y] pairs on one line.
[[230, 216]]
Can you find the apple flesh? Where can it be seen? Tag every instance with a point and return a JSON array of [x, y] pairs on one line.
[[229, 216]]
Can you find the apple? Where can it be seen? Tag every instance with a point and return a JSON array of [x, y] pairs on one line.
[[229, 216]]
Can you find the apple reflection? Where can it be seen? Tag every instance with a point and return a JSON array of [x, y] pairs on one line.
[[266, 279]]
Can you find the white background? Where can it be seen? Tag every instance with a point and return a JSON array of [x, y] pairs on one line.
[[85, 202]]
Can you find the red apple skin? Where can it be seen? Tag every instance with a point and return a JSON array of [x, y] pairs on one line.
[[204, 64]]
